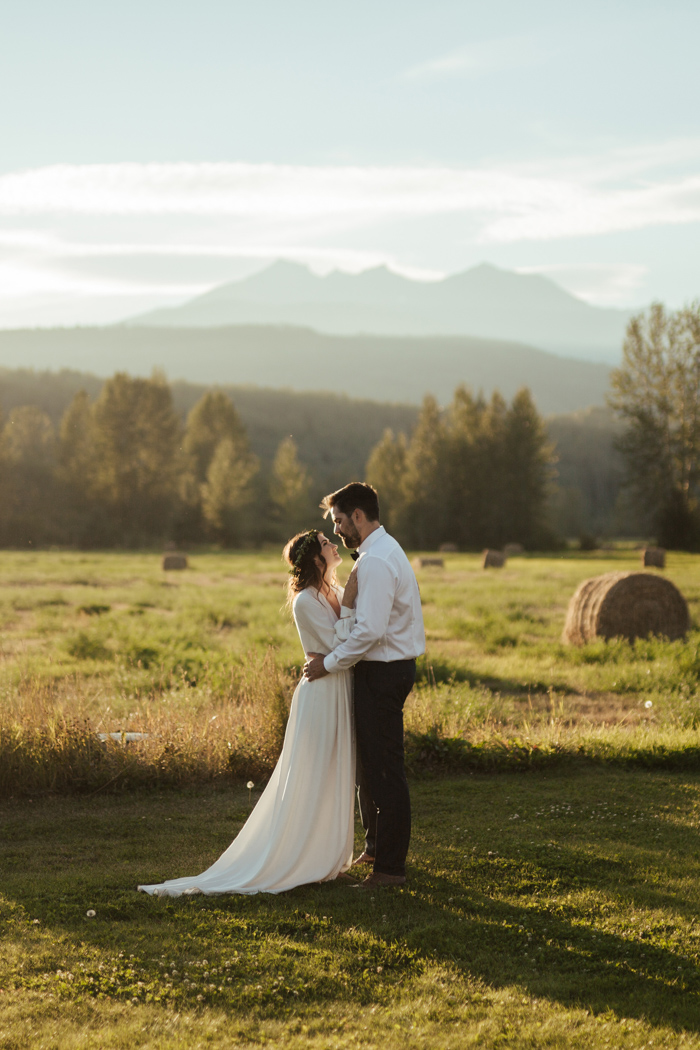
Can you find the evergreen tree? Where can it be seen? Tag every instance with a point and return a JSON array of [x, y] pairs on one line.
[[476, 476], [290, 486], [426, 481], [528, 459]]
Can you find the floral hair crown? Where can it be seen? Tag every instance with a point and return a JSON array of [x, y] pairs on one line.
[[296, 567]]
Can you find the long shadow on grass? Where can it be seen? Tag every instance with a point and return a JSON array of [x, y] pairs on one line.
[[558, 958], [342, 944]]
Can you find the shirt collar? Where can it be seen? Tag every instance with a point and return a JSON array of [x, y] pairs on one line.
[[371, 539]]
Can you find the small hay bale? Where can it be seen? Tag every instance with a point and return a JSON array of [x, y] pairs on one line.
[[428, 563], [174, 561], [493, 559], [511, 549], [625, 605], [654, 558], [448, 548]]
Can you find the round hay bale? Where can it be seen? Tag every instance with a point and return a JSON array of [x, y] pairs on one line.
[[626, 605], [428, 563], [493, 559], [448, 548], [174, 561], [654, 558]]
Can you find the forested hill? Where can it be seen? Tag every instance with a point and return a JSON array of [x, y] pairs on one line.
[[380, 368]]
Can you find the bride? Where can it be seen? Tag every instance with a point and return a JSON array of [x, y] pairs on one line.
[[301, 829]]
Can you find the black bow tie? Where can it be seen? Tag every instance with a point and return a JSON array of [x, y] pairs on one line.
[[354, 555]]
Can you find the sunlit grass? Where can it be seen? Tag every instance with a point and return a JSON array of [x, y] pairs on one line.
[[106, 642]]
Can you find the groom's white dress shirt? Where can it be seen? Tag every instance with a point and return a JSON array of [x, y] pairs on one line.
[[389, 619]]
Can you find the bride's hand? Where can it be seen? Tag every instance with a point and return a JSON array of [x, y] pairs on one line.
[[350, 593]]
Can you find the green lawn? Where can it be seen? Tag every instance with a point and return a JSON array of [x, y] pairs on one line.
[[541, 911]]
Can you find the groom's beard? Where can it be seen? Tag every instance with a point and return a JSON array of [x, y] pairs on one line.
[[350, 537]]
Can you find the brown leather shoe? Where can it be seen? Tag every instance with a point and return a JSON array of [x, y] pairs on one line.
[[378, 878], [364, 858]]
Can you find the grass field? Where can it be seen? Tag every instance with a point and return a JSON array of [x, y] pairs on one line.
[[557, 908], [541, 911], [205, 661]]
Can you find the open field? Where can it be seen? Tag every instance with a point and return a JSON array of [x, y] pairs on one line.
[[548, 910], [554, 909], [205, 661]]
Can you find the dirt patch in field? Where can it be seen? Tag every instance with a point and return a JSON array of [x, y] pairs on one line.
[[598, 709]]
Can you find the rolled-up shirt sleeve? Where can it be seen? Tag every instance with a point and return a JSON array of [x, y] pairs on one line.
[[376, 587]]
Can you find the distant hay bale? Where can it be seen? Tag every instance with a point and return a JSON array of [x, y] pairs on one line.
[[174, 561], [493, 559], [654, 558], [448, 548], [511, 549], [626, 605], [428, 563]]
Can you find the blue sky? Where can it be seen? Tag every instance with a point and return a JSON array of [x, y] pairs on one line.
[[151, 150]]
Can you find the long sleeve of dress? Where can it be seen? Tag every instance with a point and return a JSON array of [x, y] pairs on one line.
[[319, 630]]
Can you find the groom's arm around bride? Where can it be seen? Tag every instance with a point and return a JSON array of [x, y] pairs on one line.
[[383, 645]]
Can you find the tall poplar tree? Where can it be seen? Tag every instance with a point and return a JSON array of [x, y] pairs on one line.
[[656, 392], [290, 487], [227, 492], [27, 464], [137, 442], [386, 470]]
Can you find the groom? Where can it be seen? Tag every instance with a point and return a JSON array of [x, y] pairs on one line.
[[383, 645]]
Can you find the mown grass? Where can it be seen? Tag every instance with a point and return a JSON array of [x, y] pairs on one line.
[[541, 911]]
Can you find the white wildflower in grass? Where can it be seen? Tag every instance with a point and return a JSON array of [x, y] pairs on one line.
[[648, 703], [91, 913], [250, 785]]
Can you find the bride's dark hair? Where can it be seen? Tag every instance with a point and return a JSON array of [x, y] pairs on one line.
[[300, 554]]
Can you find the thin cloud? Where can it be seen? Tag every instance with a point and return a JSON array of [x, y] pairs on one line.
[[481, 58], [503, 205]]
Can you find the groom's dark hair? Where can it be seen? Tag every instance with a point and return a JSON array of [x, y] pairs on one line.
[[358, 495]]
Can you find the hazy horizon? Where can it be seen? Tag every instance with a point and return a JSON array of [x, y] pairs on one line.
[[152, 152]]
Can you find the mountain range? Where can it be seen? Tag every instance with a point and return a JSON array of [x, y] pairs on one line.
[[484, 301]]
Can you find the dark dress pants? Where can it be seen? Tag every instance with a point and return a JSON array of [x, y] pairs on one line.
[[385, 806]]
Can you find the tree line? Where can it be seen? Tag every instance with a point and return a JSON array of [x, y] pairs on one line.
[[124, 469], [125, 466], [335, 435], [476, 475]]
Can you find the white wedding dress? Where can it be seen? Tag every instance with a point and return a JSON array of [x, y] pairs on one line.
[[302, 828]]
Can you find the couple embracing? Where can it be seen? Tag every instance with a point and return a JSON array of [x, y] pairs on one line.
[[302, 828]]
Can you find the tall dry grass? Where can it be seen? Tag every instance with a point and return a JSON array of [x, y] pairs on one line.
[[50, 742]]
